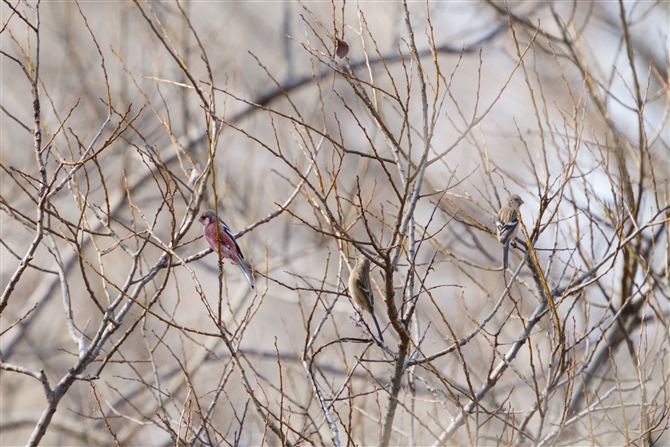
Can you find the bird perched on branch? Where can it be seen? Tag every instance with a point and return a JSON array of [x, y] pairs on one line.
[[507, 224], [221, 239], [360, 290]]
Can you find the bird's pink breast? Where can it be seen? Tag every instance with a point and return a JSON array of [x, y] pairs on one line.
[[224, 247]]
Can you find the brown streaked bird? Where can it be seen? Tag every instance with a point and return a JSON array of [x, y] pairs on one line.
[[507, 224], [223, 242], [360, 290]]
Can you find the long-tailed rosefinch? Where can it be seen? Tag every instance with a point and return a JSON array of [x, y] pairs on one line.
[[507, 224], [221, 239], [360, 290]]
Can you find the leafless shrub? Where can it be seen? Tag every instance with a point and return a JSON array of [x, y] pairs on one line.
[[395, 130]]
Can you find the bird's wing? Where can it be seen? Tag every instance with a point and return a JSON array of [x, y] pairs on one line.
[[506, 229], [227, 234], [364, 286]]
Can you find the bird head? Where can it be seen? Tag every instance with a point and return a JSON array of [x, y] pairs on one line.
[[515, 200], [207, 217], [362, 261]]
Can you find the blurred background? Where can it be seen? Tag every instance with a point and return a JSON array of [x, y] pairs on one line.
[[117, 326]]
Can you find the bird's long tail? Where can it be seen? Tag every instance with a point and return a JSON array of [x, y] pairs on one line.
[[377, 324], [246, 273], [505, 256]]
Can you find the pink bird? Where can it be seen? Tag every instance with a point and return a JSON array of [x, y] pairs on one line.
[[223, 243]]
